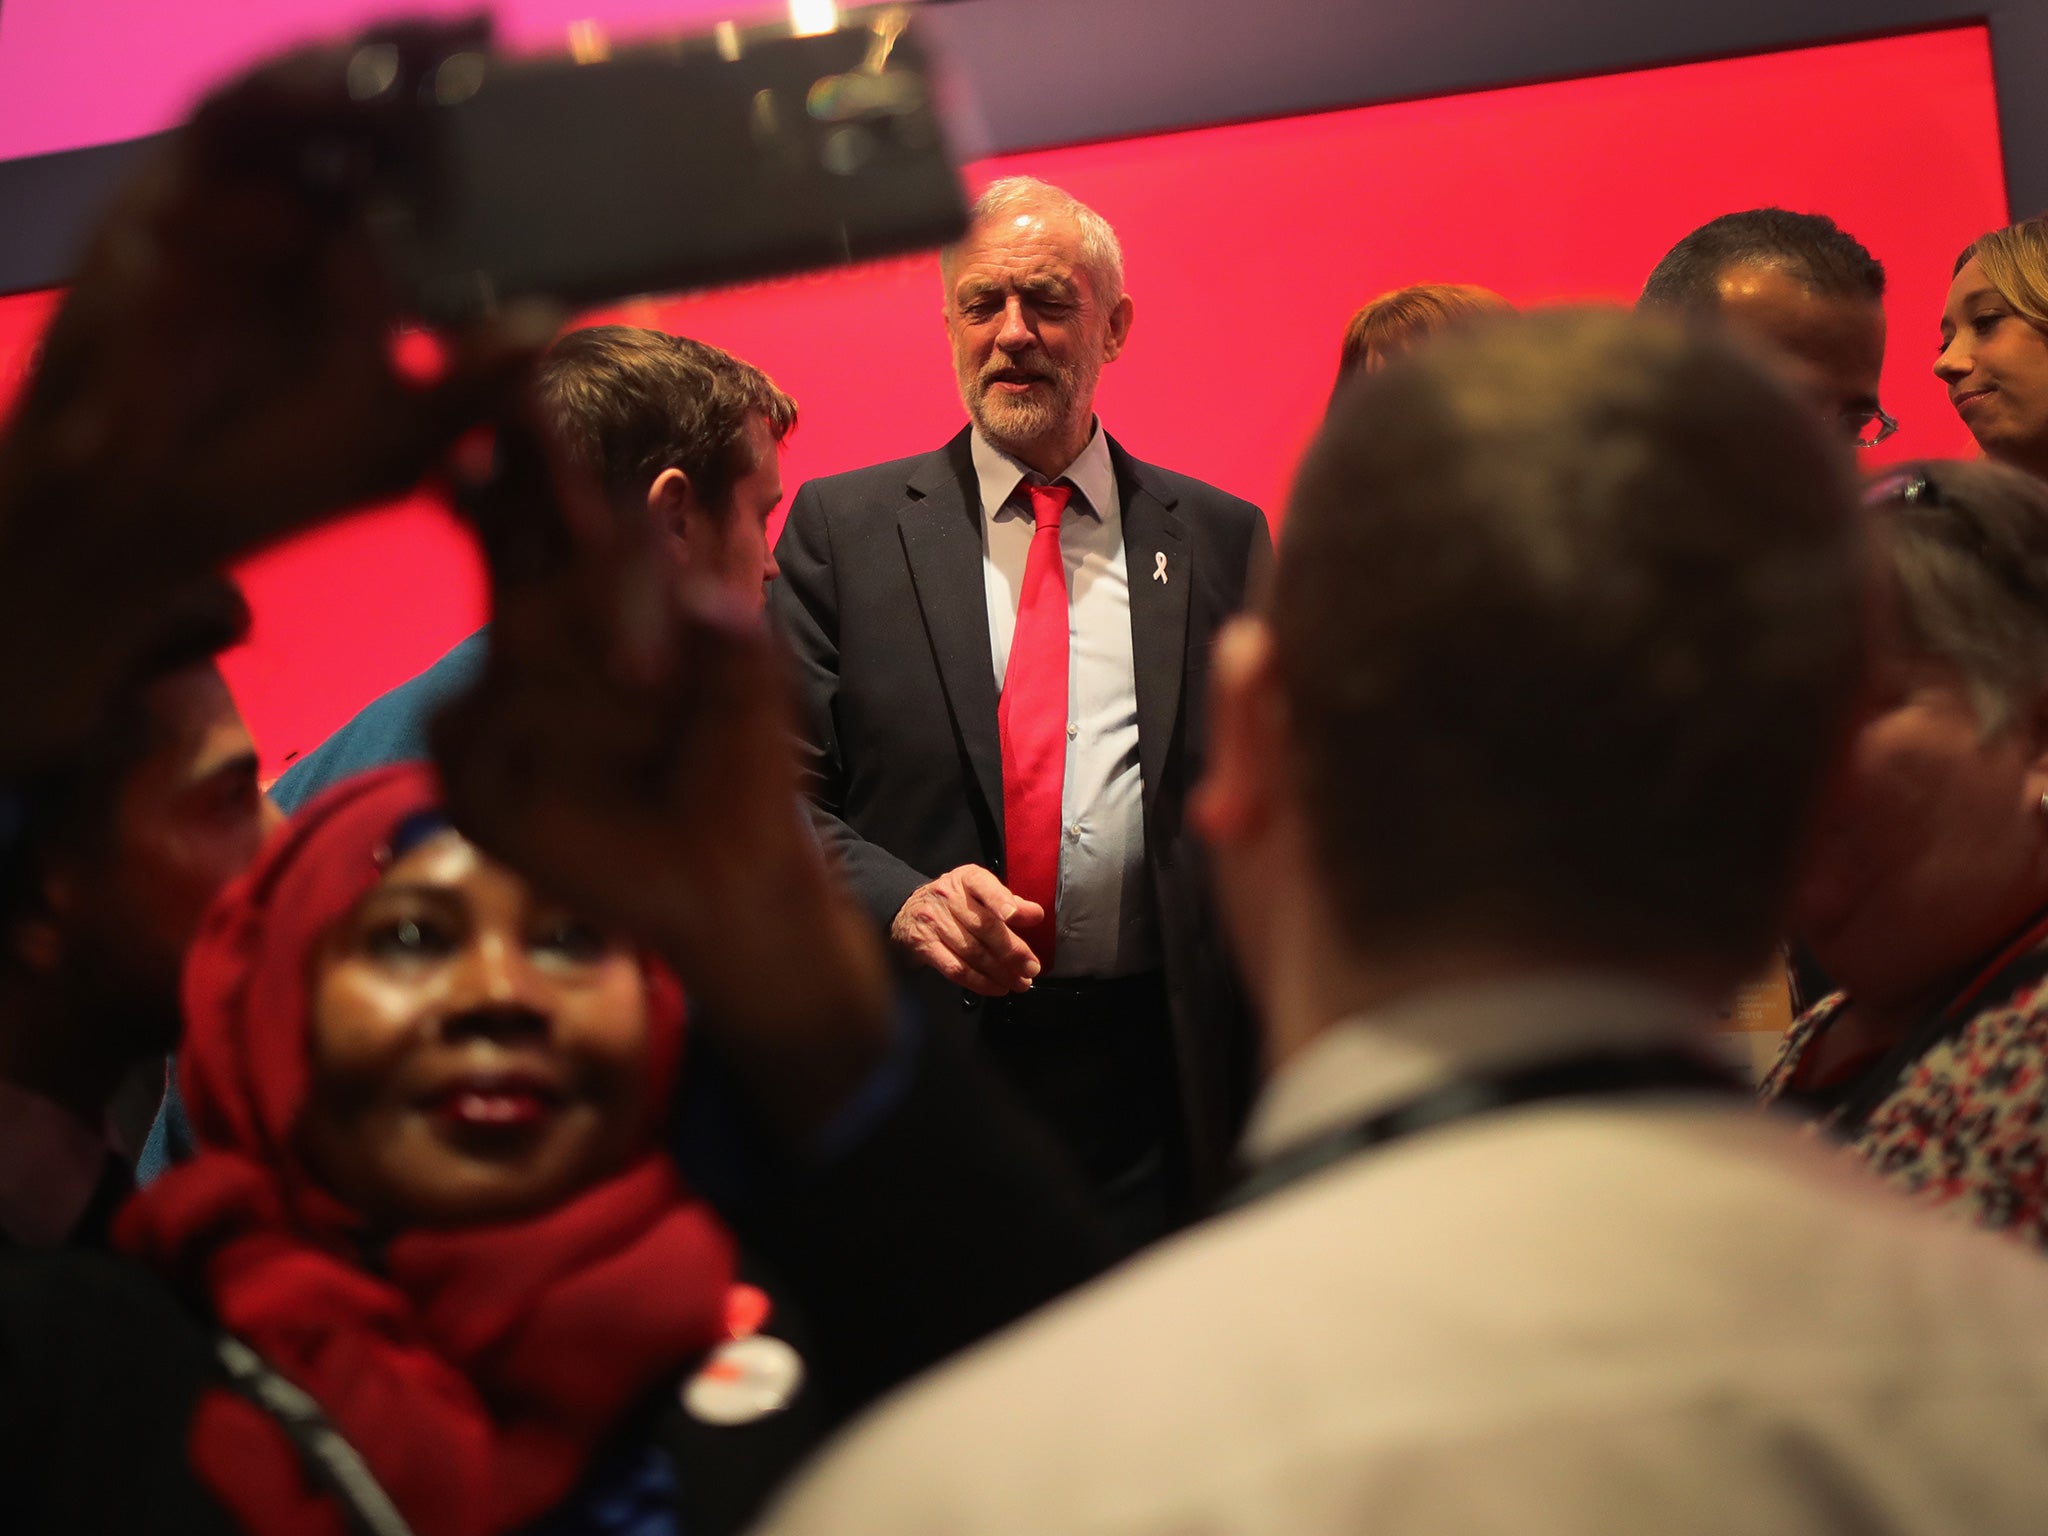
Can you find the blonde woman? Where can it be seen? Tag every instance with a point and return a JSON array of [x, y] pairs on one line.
[[1994, 344]]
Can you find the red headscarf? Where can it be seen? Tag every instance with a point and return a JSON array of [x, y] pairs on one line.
[[476, 1370]]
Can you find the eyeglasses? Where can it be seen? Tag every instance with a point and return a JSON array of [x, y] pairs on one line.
[[1866, 429]]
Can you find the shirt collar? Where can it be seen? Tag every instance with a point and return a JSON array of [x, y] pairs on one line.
[[50, 1165], [1374, 1061], [1093, 474]]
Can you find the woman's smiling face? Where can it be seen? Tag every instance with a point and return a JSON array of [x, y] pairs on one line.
[[478, 1052], [1995, 364]]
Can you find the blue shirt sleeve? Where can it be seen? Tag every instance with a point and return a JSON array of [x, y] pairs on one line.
[[170, 1135], [389, 729]]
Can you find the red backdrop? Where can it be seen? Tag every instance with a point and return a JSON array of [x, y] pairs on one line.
[[1246, 248]]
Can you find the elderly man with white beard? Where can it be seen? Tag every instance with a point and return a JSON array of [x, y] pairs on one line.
[[1003, 649]]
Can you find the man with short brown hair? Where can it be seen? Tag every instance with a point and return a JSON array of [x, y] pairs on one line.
[[633, 405], [686, 429]]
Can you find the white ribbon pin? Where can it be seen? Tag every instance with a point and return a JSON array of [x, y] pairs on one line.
[[1159, 565]]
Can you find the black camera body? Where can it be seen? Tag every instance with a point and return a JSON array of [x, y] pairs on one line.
[[739, 154]]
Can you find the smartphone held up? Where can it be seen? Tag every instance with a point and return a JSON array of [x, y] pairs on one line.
[[593, 176]]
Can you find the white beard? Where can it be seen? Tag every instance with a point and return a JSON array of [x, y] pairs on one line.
[[1015, 422]]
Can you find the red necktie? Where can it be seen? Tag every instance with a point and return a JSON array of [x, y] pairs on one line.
[[1032, 721]]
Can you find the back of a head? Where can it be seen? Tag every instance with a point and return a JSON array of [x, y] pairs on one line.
[[629, 403], [1395, 323], [1966, 546], [1568, 614], [2015, 262], [1809, 246]]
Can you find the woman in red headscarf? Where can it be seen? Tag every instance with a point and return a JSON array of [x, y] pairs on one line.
[[454, 1278], [433, 1269]]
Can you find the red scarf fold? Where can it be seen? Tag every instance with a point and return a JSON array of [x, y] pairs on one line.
[[476, 1370]]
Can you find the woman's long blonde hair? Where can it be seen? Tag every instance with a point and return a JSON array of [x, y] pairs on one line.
[[2015, 262]]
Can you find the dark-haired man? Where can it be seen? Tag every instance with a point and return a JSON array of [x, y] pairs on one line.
[[689, 430], [1505, 791], [1801, 285], [108, 867]]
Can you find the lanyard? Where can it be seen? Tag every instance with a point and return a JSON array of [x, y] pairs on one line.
[[1595, 1075], [329, 1461]]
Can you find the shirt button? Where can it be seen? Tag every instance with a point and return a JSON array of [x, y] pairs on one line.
[[1073, 731], [1073, 831]]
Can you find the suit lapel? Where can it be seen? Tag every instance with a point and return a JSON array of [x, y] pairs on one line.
[[1159, 612], [941, 529]]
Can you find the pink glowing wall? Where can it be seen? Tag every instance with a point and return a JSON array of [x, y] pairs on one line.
[[78, 72], [1247, 246]]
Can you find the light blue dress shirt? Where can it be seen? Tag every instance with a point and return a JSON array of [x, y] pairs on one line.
[[1106, 925]]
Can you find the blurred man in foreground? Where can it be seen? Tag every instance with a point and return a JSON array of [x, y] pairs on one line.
[[1504, 794]]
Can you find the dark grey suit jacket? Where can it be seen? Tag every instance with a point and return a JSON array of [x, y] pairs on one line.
[[882, 599]]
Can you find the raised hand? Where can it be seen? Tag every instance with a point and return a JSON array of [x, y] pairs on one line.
[[222, 371], [960, 926]]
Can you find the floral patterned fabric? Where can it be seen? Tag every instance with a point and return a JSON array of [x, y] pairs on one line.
[[1805, 1029], [1962, 1125]]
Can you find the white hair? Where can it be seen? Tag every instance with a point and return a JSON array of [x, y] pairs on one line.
[[1102, 258], [1969, 555]]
